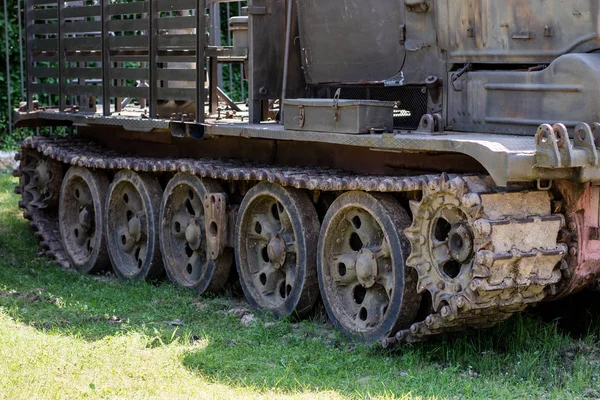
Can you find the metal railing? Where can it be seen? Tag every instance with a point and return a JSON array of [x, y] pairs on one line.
[[79, 52]]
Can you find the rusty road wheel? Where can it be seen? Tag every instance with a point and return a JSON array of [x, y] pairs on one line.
[[131, 225], [40, 181], [367, 290], [82, 198], [183, 236], [276, 237]]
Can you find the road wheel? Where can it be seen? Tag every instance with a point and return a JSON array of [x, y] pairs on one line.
[[367, 290], [276, 238], [81, 205], [183, 236], [131, 223]]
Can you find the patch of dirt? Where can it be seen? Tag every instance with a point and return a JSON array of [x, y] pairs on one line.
[[175, 322], [34, 296], [114, 320]]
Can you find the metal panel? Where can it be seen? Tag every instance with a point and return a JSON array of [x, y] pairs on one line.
[[39, 29], [351, 40], [44, 44], [42, 2], [124, 91], [35, 15], [128, 42], [128, 8], [43, 73], [176, 41], [88, 73], [44, 88], [130, 73], [127, 25], [176, 23], [81, 12], [82, 90], [173, 74], [175, 5], [534, 31], [83, 43], [82, 27], [176, 93]]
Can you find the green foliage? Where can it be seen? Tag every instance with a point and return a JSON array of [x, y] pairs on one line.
[[15, 72], [232, 73]]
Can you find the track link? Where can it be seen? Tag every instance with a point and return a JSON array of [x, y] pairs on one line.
[[506, 271]]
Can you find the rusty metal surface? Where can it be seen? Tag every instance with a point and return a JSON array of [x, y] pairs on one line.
[[77, 151], [580, 204], [506, 158], [481, 255], [519, 101], [514, 31]]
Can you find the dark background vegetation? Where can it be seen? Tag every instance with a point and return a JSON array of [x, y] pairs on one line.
[[6, 140]]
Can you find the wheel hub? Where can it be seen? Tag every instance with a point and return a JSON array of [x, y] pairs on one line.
[[366, 268], [193, 235], [276, 250], [134, 227], [85, 218], [460, 243]]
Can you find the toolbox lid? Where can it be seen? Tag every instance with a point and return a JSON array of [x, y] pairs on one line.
[[340, 103]]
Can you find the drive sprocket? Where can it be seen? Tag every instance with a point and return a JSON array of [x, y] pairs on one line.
[[442, 239]]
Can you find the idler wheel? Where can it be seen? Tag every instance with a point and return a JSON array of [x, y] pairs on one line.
[[131, 223], [367, 290], [40, 181], [276, 237], [183, 236], [81, 205]]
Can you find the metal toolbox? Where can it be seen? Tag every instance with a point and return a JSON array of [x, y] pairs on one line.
[[338, 116]]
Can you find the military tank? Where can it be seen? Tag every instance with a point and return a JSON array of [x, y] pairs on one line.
[[421, 167]]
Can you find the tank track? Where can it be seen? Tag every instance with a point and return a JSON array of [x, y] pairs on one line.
[[482, 301]]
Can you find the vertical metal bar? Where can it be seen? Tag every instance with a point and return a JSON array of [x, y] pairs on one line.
[[153, 14], [242, 86], [229, 43], [255, 104], [213, 83], [286, 60], [200, 60], [215, 36], [61, 57], [19, 21], [213, 63], [105, 59], [29, 53], [7, 54]]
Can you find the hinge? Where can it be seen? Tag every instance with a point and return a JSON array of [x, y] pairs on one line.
[[402, 34], [254, 10], [417, 6]]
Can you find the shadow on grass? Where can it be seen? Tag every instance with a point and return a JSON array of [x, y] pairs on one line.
[[525, 353]]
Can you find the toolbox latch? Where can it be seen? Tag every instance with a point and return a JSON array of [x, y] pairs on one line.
[[336, 104], [300, 117]]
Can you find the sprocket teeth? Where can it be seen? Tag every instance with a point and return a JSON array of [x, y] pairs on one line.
[[415, 207]]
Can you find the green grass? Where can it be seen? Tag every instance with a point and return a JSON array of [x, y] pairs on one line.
[[68, 336]]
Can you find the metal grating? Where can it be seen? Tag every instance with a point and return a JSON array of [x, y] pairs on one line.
[[114, 51], [411, 101]]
